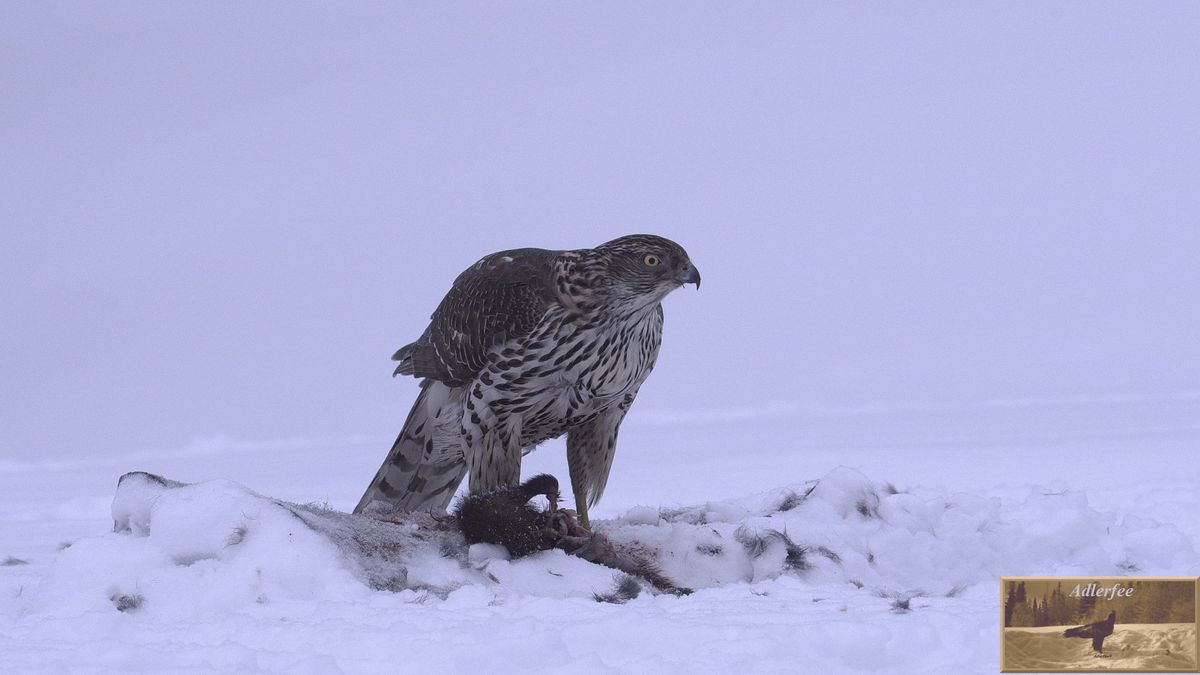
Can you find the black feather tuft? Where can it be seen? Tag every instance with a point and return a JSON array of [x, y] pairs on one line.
[[127, 602], [868, 508], [757, 543], [627, 588]]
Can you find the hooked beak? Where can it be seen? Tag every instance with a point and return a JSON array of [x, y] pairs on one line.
[[690, 275]]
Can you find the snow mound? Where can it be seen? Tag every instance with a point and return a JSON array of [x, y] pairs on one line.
[[181, 548], [832, 575], [1146, 646], [186, 549], [848, 528]]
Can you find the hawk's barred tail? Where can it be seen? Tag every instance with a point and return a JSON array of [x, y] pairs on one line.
[[423, 469]]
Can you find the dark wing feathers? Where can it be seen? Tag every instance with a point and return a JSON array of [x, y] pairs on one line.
[[500, 298], [1099, 629]]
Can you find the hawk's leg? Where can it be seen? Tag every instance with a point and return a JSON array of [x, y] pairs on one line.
[[492, 449], [590, 450], [580, 505]]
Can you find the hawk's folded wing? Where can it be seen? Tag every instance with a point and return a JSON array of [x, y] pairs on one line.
[[500, 298]]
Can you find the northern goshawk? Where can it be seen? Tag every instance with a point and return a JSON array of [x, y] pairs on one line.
[[529, 345]]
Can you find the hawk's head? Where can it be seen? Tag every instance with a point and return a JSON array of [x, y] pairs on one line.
[[647, 266]]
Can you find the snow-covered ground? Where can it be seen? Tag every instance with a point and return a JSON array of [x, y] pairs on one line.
[[901, 521], [1133, 646]]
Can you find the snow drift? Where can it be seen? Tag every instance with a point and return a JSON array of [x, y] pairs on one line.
[[238, 546], [841, 573], [1146, 646]]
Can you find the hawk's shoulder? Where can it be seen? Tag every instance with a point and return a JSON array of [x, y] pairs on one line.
[[501, 297]]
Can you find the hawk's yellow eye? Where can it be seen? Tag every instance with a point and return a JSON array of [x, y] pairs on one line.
[[652, 260]]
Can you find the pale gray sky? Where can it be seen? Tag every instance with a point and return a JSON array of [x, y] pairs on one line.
[[222, 218]]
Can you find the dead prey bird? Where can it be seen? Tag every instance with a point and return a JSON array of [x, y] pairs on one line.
[[504, 516]]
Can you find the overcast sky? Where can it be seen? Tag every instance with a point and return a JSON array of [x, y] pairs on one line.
[[222, 219]]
